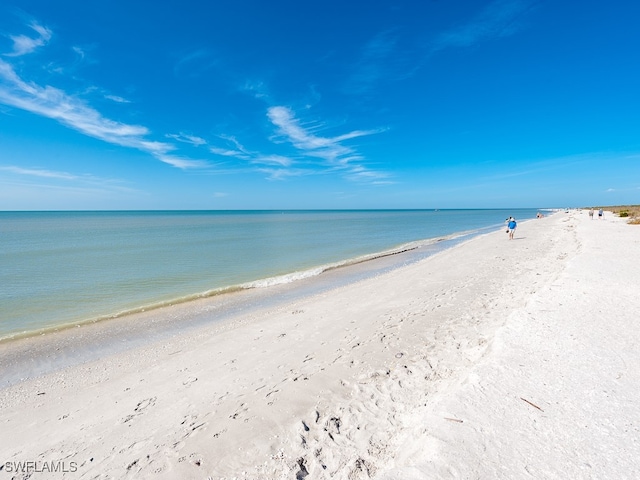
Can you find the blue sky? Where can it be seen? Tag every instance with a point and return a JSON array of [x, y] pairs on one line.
[[246, 104]]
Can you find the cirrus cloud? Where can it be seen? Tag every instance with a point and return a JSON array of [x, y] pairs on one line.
[[23, 44], [51, 102]]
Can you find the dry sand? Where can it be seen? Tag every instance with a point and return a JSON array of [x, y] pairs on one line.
[[493, 359]]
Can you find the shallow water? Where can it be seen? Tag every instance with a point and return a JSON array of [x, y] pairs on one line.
[[61, 268]]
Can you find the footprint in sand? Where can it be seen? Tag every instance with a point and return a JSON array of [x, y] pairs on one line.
[[144, 404], [140, 408], [241, 409], [221, 432], [189, 381]]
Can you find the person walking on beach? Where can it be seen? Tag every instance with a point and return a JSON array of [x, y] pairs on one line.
[[512, 227], [600, 214], [591, 214]]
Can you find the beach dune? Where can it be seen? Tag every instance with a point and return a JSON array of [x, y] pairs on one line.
[[491, 359]]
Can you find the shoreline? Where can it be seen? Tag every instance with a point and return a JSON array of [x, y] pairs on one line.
[[108, 292], [287, 278], [366, 380], [43, 351]]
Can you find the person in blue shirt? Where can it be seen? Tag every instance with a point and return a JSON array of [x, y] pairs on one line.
[[512, 227]]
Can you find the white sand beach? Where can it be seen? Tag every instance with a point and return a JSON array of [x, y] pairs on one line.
[[496, 358]]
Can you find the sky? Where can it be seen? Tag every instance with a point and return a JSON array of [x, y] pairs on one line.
[[289, 104]]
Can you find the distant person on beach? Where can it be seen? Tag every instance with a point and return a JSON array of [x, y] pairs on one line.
[[539, 215], [600, 214], [506, 221], [512, 227], [591, 214]]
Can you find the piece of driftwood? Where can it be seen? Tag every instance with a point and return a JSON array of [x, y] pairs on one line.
[[453, 420], [532, 404]]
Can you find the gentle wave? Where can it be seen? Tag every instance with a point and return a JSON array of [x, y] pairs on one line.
[[303, 274]]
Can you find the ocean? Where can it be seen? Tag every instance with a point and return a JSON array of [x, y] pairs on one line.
[[64, 268]]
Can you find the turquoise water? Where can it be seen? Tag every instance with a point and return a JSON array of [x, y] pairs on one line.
[[60, 268]]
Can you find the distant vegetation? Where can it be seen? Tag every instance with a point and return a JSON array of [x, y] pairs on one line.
[[632, 212]]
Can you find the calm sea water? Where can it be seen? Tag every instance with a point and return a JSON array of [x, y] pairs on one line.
[[59, 268]]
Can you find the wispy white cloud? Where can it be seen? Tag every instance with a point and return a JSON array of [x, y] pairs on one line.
[[232, 148], [284, 173], [336, 155], [82, 57], [72, 111], [45, 178], [226, 152], [36, 172], [233, 140], [51, 102], [80, 52], [117, 99], [361, 174], [187, 138], [257, 89], [500, 18], [274, 160], [23, 44], [54, 103], [181, 162], [328, 148]]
